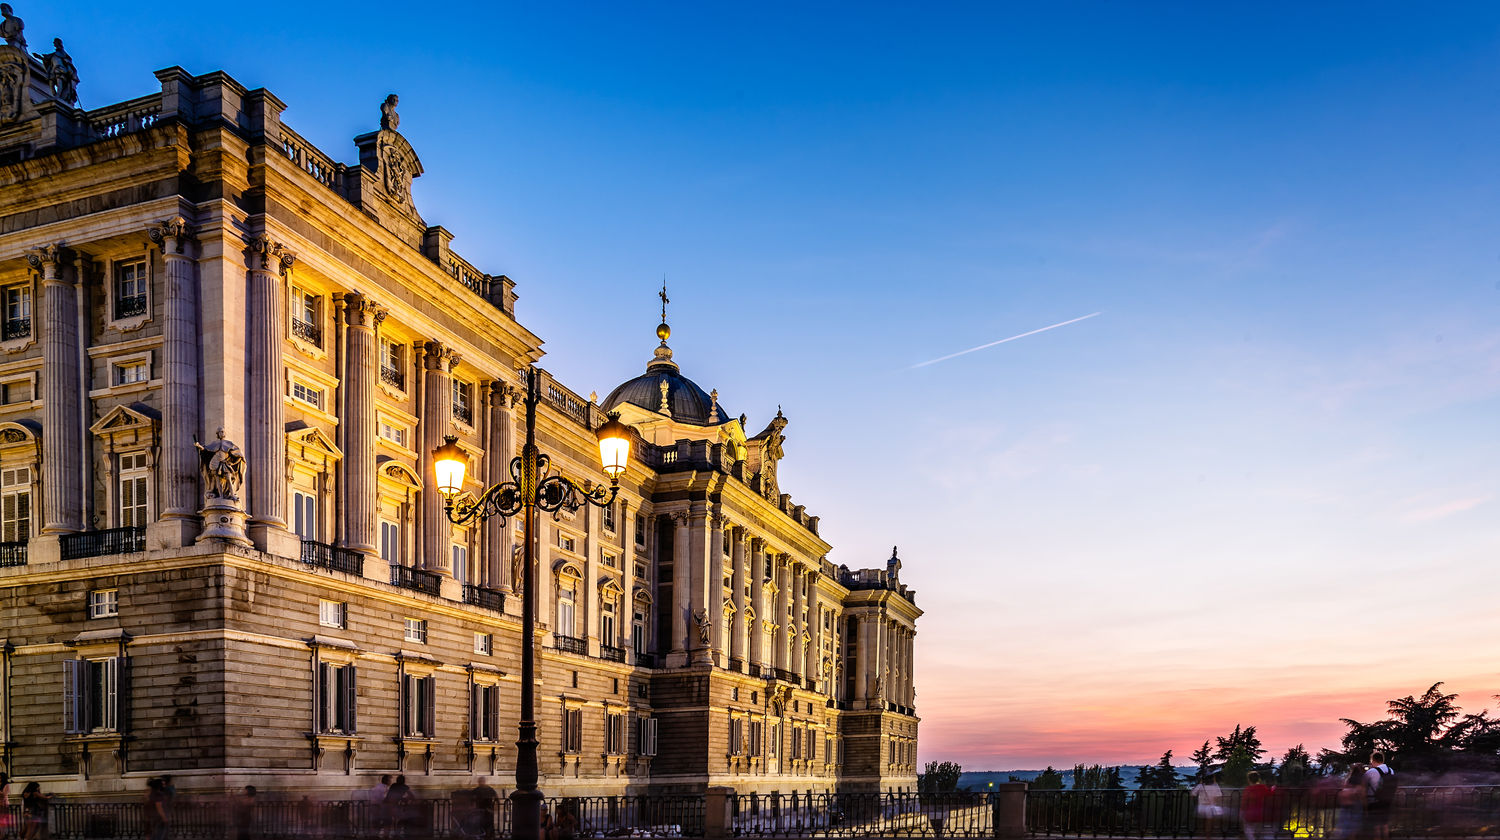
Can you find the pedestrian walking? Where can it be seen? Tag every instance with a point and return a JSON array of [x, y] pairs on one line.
[[34, 805], [375, 797], [155, 809], [1380, 797], [486, 800], [1255, 804], [1209, 799], [1349, 820], [242, 815], [4, 804], [398, 807]]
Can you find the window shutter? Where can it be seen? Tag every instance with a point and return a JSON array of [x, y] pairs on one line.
[[429, 707], [72, 720], [406, 704], [109, 693], [23, 516], [476, 708], [652, 729], [351, 720]]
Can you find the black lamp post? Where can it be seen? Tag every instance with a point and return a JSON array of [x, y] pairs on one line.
[[532, 486]]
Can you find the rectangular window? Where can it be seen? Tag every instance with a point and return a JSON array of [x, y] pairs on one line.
[[565, 612], [564, 541], [392, 368], [757, 738], [773, 748], [416, 630], [131, 284], [419, 706], [728, 543], [609, 517], [15, 504], [394, 433], [303, 392], [390, 542], [812, 744], [572, 739], [484, 713], [17, 312], [332, 613], [134, 480], [461, 563], [130, 373], [15, 393], [736, 736], [463, 408], [609, 560], [647, 745], [607, 623], [104, 603], [614, 734], [91, 695], [638, 632], [306, 308], [640, 530], [305, 516], [484, 643], [336, 695], [640, 570]]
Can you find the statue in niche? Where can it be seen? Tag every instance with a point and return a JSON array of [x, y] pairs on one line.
[[223, 466], [700, 618], [61, 74], [389, 119], [11, 28]]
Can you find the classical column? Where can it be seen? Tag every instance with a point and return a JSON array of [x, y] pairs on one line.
[[437, 418], [357, 384], [592, 523], [911, 668], [815, 629], [757, 570], [783, 604], [497, 454], [626, 629], [701, 571], [864, 670], [714, 589], [739, 628], [62, 498], [798, 664], [682, 595], [265, 421]]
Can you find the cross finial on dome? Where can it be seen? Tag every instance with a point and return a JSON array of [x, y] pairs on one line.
[[663, 331]]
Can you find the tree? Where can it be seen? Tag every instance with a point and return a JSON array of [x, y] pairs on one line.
[[939, 778], [1096, 777], [1162, 776], [1294, 766], [1204, 758], [1239, 739], [1425, 734], [1049, 780]]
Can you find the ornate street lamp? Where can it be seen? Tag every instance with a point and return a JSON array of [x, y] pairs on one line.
[[533, 486]]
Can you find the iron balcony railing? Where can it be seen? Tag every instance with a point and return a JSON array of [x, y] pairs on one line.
[[129, 307], [13, 553], [895, 814], [645, 660], [483, 596], [393, 377], [102, 543], [416, 579], [571, 644], [463, 414], [612, 653], [311, 333], [326, 556], [15, 328]]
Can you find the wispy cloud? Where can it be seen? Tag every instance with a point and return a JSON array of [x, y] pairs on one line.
[[1432, 513], [1001, 341]]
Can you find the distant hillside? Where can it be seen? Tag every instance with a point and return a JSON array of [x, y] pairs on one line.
[[981, 779]]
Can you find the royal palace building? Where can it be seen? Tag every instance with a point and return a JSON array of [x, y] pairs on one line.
[[226, 360]]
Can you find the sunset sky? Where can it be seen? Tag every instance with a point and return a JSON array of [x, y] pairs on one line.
[[1261, 486]]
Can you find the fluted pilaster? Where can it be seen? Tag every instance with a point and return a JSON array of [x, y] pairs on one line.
[[757, 571], [499, 450], [265, 422], [682, 588], [799, 622], [739, 627], [362, 317], [437, 418], [783, 605], [62, 498]]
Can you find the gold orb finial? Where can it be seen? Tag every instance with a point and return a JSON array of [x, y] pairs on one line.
[[663, 331]]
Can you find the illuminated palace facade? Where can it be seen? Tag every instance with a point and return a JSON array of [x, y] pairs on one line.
[[183, 270]]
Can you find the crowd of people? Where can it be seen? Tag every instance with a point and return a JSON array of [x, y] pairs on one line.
[[1365, 800]]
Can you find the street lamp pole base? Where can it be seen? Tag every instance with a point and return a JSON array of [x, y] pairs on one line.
[[526, 814]]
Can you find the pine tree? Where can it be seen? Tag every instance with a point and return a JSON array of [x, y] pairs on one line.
[[1161, 776], [1203, 757]]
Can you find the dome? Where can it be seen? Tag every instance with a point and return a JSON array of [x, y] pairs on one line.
[[688, 402]]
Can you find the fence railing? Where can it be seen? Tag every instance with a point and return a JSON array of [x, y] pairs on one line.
[[102, 543], [417, 579], [483, 596], [863, 815], [13, 553], [1299, 813], [326, 556], [571, 644]]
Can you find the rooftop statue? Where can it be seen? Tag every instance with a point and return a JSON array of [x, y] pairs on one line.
[[61, 74], [11, 27], [389, 119]]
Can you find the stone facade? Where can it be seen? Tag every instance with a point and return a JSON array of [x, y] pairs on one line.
[[186, 262]]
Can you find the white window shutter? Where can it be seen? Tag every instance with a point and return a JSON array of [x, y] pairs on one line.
[[350, 719], [110, 705], [72, 720]]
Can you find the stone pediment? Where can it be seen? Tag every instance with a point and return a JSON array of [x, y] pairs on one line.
[[642, 594], [122, 418], [21, 431], [397, 471], [311, 439]]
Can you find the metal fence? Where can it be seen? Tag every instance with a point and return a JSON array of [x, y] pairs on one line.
[[863, 815], [1290, 814]]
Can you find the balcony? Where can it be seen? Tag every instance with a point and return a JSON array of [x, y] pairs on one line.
[[645, 660], [310, 333], [129, 307], [13, 553], [612, 653], [463, 414], [483, 596], [571, 644], [15, 328], [102, 543], [393, 377], [416, 579], [784, 674], [326, 556]]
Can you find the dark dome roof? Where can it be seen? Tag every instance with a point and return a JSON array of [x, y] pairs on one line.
[[689, 403]]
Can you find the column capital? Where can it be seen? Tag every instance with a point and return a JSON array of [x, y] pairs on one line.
[[267, 255], [50, 255], [172, 234], [360, 311], [437, 357]]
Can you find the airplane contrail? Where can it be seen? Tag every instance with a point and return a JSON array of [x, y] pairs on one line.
[[1001, 341]]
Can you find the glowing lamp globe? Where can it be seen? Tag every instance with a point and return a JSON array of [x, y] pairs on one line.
[[614, 446], [449, 462]]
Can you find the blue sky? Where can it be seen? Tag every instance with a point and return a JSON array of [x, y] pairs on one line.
[[1205, 506]]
